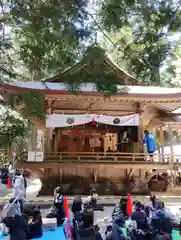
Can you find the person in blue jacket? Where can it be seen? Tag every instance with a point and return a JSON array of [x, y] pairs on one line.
[[149, 141], [161, 221]]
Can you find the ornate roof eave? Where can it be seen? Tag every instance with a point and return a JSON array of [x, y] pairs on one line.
[[139, 97]]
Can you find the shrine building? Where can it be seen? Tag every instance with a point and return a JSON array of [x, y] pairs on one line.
[[89, 137]]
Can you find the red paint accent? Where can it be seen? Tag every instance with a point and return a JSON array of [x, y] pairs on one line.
[[129, 205], [9, 182], [66, 206], [94, 122]]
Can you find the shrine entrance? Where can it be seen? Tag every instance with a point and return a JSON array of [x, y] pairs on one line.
[[99, 138]]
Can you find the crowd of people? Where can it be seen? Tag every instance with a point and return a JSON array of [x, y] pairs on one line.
[[24, 222], [150, 221]]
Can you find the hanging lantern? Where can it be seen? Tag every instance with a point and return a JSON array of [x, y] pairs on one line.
[[94, 122]]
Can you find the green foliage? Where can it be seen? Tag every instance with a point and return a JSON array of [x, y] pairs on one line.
[[48, 34], [13, 130], [96, 71], [28, 104], [153, 26]]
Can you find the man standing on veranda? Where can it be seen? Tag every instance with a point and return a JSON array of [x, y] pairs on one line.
[[149, 142]]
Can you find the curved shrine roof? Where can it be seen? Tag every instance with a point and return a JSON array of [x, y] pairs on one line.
[[61, 88]]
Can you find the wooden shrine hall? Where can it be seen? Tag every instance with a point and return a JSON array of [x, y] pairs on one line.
[[94, 137]]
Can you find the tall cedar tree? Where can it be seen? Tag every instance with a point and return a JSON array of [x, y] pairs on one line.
[[154, 28], [46, 36]]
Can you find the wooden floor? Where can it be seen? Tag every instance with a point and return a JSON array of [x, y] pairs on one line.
[[95, 160], [96, 164]]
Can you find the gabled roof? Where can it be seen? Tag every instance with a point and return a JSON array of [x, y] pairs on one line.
[[89, 62]]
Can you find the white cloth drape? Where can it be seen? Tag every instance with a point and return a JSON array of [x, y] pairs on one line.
[[68, 120]]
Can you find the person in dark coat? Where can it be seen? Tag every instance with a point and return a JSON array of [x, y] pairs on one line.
[[77, 215], [18, 226], [57, 210], [35, 225], [139, 216], [87, 230]]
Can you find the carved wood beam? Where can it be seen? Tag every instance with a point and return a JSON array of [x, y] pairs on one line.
[[91, 111]]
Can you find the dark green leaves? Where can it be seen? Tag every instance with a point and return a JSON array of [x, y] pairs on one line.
[[153, 25]]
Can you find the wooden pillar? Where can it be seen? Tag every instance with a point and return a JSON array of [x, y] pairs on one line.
[[162, 143], [140, 110], [55, 142], [170, 131], [49, 131]]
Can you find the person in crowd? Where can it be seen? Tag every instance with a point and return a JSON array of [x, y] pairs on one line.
[[85, 204], [58, 198], [13, 208], [35, 224], [150, 143], [57, 210], [4, 175], [77, 215], [115, 232], [25, 183], [77, 205], [17, 222], [87, 230], [161, 221], [19, 188], [120, 211], [154, 202], [92, 198], [148, 214], [11, 171], [140, 216]]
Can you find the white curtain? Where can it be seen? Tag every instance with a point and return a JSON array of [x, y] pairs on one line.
[[67, 120]]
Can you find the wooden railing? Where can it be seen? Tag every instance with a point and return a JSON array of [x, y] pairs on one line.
[[117, 156]]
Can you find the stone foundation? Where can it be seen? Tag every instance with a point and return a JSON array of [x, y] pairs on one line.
[[74, 185]]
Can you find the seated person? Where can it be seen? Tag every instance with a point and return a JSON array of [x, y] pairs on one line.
[[139, 216], [154, 202], [115, 232], [161, 221], [77, 205], [87, 230], [120, 210], [17, 223], [58, 198], [92, 198], [77, 215], [35, 224], [57, 210]]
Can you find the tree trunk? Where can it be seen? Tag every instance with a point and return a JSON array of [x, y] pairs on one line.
[[9, 152]]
